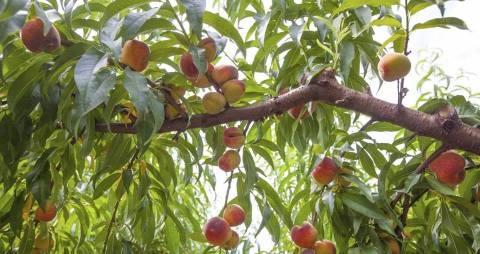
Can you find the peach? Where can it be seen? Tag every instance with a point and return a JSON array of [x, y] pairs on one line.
[[233, 138], [233, 242], [202, 81], [233, 90], [176, 92], [44, 243], [208, 44], [214, 103], [34, 39], [135, 54], [325, 247], [171, 112], [234, 215], [188, 67], [46, 214], [394, 66], [393, 246], [224, 73], [449, 168], [307, 251], [229, 161], [304, 236], [217, 231], [325, 171]]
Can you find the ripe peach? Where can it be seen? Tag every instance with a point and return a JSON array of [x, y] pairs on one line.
[[34, 40], [135, 54], [393, 245], [214, 103], [325, 171], [229, 161], [325, 247], [234, 215], [44, 243], [217, 231], [233, 137], [188, 67], [304, 236], [449, 168], [210, 48], [201, 81], [307, 251], [394, 66], [224, 73], [46, 214], [233, 242], [233, 90]]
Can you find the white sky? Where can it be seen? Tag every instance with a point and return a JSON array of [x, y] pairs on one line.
[[461, 50]]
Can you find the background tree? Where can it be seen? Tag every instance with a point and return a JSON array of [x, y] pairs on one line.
[[117, 117]]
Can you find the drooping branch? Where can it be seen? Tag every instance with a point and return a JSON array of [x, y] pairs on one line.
[[325, 88]]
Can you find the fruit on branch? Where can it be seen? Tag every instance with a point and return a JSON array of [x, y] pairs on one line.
[[217, 231], [234, 215], [394, 66], [307, 251], [300, 111], [214, 103], [46, 213], [325, 171], [393, 246], [233, 138], [449, 168], [129, 112], [224, 73], [304, 236], [229, 161], [325, 247], [176, 92], [34, 39], [208, 44], [233, 90], [188, 67], [233, 242], [44, 243], [171, 112], [135, 54], [201, 81]]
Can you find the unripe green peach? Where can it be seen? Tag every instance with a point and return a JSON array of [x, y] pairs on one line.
[[135, 54], [214, 103], [234, 215], [304, 236], [176, 92], [46, 214], [224, 73], [233, 90], [449, 168], [394, 66], [229, 161], [188, 67], [233, 137], [210, 48], [233, 242], [325, 247], [34, 40], [171, 112], [325, 171], [217, 231]]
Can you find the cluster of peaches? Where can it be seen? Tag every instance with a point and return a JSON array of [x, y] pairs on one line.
[[305, 236], [218, 230]]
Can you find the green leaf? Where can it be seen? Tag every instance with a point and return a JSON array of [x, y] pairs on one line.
[[116, 6], [436, 185], [224, 27], [441, 23], [251, 171], [10, 7], [195, 10], [352, 4], [134, 21], [362, 205], [105, 184]]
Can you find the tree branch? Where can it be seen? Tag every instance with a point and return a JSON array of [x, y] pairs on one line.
[[324, 87]]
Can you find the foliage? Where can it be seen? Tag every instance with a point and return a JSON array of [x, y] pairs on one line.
[[162, 186]]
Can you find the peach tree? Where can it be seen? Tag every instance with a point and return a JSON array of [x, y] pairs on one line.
[[194, 126]]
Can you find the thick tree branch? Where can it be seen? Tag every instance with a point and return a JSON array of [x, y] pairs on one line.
[[324, 87]]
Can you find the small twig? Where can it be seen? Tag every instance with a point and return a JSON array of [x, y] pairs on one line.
[[114, 214], [365, 126], [168, 96], [401, 83], [180, 23], [245, 130], [228, 190]]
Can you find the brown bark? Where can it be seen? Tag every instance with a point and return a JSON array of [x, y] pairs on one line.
[[324, 87]]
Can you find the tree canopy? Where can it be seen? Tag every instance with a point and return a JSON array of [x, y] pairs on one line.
[[194, 126]]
